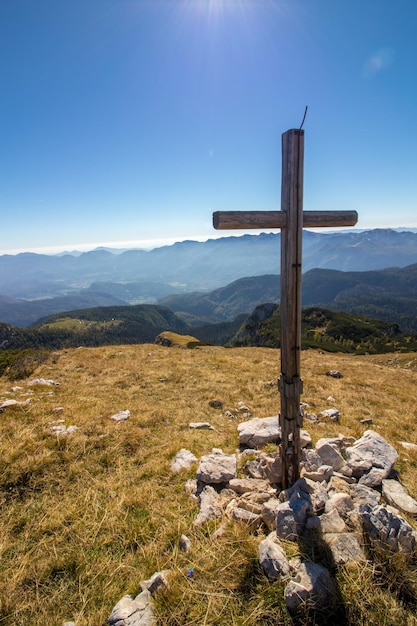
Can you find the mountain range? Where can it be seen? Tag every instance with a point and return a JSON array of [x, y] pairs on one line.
[[34, 286], [389, 294]]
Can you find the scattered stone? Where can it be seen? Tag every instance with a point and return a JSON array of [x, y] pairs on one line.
[[156, 582], [314, 493], [305, 439], [58, 428], [258, 431], [361, 494], [408, 446], [133, 612], [367, 420], [371, 458], [121, 416], [272, 558], [312, 417], [345, 548], [247, 452], [254, 469], [323, 473], [58, 409], [183, 460], [330, 399], [291, 518], [249, 485], [217, 467], [250, 505], [252, 520], [334, 374], [230, 414], [191, 487], [312, 586], [42, 382], [259, 498], [8, 403], [265, 466], [210, 507], [68, 624], [216, 404], [330, 522], [388, 530], [202, 425], [269, 513], [226, 495], [310, 460], [395, 494], [340, 502], [331, 414], [185, 544], [329, 455], [221, 530]]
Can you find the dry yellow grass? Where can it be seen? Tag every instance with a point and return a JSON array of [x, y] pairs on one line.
[[84, 518]]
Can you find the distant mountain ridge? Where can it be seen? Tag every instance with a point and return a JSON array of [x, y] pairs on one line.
[[202, 265], [389, 294], [32, 285]]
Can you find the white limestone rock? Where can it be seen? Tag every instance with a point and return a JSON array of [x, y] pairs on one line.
[[371, 458], [272, 558], [341, 502], [390, 531], [9, 403], [252, 520], [330, 455], [266, 466], [305, 439], [311, 586], [121, 416], [249, 485], [42, 382], [310, 460], [395, 494], [291, 518], [257, 432], [408, 446], [269, 513], [217, 467], [201, 426], [184, 459], [133, 612], [210, 507], [345, 548], [185, 544], [330, 522], [157, 582], [332, 414]]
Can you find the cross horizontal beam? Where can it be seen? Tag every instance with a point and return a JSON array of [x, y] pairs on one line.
[[231, 220]]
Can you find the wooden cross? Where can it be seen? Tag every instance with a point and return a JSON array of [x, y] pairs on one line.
[[291, 220]]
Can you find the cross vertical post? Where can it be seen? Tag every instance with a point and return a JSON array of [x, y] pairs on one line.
[[290, 383], [291, 220]]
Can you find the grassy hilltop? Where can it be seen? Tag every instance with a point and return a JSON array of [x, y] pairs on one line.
[[85, 517]]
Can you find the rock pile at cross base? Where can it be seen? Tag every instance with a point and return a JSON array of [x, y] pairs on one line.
[[348, 499]]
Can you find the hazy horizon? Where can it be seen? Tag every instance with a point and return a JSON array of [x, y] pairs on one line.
[[150, 244]]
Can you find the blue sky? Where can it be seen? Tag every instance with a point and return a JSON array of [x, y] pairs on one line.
[[131, 121]]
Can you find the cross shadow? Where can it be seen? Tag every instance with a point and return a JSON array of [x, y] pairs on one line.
[[314, 548]]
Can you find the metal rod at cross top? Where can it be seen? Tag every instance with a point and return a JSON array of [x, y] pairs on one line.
[[291, 220]]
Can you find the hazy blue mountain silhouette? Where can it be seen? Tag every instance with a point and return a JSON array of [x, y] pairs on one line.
[[35, 281]]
